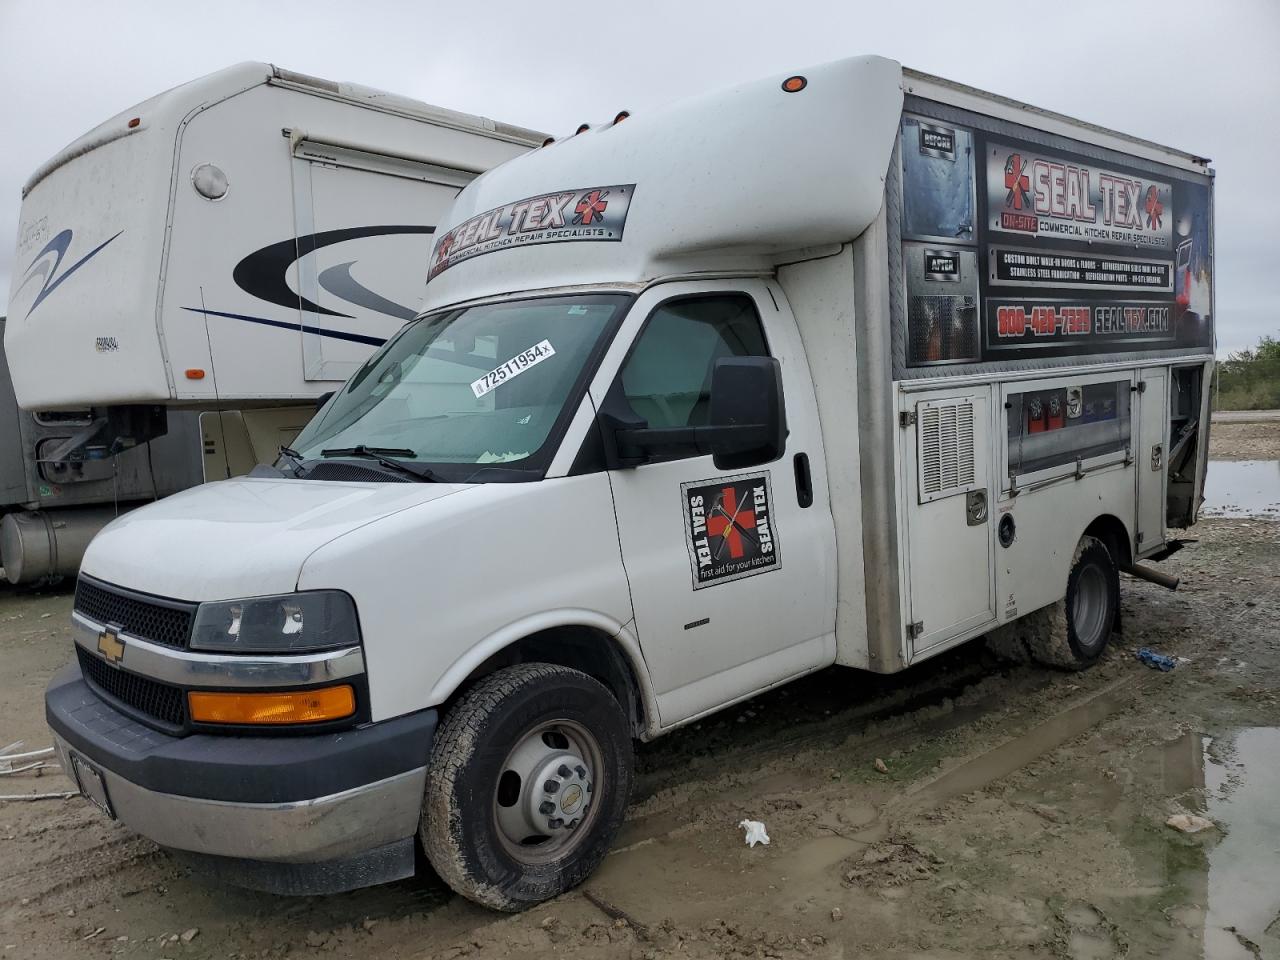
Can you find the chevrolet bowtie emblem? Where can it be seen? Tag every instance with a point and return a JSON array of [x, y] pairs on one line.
[[110, 645]]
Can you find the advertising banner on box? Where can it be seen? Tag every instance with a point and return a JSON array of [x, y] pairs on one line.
[[1076, 256], [1031, 192], [1058, 268], [1128, 324]]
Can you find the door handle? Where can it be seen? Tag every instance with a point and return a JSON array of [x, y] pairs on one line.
[[804, 480]]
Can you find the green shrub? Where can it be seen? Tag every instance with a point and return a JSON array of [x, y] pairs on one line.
[[1249, 379]]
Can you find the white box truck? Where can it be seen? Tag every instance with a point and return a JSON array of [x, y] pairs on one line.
[[200, 268], [845, 367]]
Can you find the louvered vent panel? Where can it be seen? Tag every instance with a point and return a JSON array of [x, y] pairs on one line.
[[946, 448]]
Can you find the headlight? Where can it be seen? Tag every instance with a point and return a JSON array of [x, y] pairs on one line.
[[292, 623]]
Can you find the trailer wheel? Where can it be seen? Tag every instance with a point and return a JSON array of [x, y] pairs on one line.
[[1072, 633], [527, 785]]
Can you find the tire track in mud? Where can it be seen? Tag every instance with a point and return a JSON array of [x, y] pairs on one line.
[[73, 868], [853, 703]]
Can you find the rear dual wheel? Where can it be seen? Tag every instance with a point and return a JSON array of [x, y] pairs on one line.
[[1072, 633], [527, 786]]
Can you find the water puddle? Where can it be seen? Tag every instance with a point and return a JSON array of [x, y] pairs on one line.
[[1225, 881], [1242, 786], [1242, 488]]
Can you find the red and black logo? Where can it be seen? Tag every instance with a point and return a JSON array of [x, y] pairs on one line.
[[730, 529], [1017, 197]]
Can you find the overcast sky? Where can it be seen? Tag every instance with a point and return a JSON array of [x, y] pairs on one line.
[[1204, 77]]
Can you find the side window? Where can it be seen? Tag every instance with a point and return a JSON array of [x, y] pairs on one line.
[[667, 378]]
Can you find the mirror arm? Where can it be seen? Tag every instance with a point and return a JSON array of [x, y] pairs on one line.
[[619, 452], [645, 437]]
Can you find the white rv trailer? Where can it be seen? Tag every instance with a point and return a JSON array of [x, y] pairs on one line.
[[847, 367], [236, 245]]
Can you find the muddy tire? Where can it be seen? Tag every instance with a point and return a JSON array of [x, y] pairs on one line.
[[1072, 633], [1008, 641], [527, 785]]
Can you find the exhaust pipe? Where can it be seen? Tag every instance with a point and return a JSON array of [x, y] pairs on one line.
[[1152, 576]]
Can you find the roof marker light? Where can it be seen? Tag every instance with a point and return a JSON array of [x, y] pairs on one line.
[[794, 84], [549, 141], [134, 123], [581, 128], [622, 115]]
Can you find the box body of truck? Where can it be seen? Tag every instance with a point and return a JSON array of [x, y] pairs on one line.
[[1036, 361], [846, 367], [234, 247]]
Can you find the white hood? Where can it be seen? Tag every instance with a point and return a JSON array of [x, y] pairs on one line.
[[243, 537]]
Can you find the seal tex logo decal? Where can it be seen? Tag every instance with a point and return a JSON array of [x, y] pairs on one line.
[[1050, 195], [45, 266], [729, 528], [588, 213]]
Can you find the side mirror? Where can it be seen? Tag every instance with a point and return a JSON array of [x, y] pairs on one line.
[[747, 420], [748, 415]]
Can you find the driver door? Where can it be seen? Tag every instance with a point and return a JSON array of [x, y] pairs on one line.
[[731, 571]]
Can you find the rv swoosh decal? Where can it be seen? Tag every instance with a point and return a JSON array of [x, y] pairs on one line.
[[339, 281], [47, 271], [262, 274], [318, 331]]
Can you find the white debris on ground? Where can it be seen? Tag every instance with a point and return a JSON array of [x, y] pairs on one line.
[[755, 832], [11, 761]]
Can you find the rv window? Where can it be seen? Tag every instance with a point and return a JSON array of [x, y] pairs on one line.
[[667, 378], [1055, 426]]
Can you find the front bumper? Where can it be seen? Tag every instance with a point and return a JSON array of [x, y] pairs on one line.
[[348, 800]]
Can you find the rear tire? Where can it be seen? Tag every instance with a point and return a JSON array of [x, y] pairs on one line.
[[1072, 633], [527, 785]]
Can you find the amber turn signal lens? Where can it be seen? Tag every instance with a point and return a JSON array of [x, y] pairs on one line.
[[306, 706], [195, 373], [794, 84]]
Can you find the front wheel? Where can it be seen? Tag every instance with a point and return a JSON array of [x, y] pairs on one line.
[[1072, 633], [527, 786]]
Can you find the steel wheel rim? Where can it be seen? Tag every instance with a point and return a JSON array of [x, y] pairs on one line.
[[538, 759], [1089, 610]]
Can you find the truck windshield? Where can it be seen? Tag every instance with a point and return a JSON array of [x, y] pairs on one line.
[[477, 393]]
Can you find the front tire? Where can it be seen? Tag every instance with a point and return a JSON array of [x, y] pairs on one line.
[[527, 785], [1072, 633]]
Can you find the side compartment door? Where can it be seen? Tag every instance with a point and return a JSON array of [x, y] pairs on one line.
[[731, 571], [1152, 457], [946, 453]]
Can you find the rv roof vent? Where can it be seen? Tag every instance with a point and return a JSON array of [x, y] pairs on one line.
[[945, 443]]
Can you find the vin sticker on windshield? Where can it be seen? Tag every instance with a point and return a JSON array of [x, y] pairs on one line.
[[512, 368]]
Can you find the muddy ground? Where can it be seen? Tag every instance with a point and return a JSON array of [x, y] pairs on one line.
[[1258, 440], [1021, 814]]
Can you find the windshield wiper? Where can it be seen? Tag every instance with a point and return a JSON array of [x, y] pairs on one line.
[[294, 457], [384, 455]]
